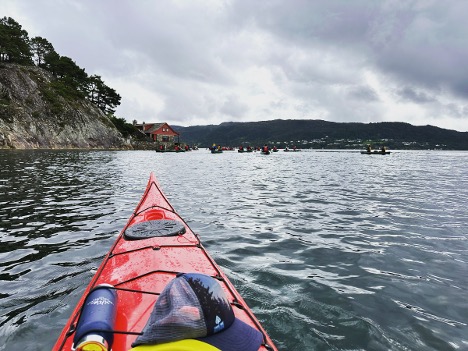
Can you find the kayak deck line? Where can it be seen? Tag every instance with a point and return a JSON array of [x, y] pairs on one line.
[[139, 268], [155, 207], [154, 248]]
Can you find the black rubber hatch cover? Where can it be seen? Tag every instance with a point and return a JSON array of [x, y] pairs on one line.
[[156, 228]]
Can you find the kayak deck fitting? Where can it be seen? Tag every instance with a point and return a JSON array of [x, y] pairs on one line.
[[155, 245]]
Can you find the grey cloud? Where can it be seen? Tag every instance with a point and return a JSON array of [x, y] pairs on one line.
[[418, 41], [363, 93], [409, 94], [427, 45], [234, 107]]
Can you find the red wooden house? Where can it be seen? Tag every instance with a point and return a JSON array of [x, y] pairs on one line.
[[160, 133]]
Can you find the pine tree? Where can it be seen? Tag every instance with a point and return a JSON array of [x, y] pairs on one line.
[[101, 95], [40, 48], [14, 42]]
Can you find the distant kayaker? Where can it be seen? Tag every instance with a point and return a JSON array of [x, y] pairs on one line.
[[265, 148], [194, 313], [368, 148]]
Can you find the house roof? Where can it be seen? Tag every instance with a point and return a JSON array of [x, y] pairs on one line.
[[154, 127]]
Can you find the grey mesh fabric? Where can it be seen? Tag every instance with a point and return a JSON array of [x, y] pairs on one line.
[[177, 315], [195, 306]]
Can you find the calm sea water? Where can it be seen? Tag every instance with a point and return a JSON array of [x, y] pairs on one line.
[[331, 250]]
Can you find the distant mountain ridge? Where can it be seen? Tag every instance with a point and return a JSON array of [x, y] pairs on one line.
[[323, 134]]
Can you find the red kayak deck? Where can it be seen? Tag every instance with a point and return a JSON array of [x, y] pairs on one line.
[[140, 269]]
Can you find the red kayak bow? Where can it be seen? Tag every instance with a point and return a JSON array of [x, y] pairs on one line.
[[155, 245]]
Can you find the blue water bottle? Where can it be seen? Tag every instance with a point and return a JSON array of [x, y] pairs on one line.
[[96, 324]]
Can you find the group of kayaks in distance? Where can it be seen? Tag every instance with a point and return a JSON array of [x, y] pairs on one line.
[[176, 148], [265, 150]]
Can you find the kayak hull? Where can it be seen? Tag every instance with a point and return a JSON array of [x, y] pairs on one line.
[[139, 269]]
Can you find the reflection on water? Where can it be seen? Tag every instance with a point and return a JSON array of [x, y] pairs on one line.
[[332, 250]]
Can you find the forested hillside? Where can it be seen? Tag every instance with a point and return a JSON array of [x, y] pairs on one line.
[[323, 134]]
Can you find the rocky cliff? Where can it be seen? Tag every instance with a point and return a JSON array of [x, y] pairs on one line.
[[34, 114]]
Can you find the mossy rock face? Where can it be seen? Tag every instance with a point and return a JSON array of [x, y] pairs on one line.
[[5, 98], [37, 112]]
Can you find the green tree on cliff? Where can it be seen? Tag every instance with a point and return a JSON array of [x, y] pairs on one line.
[[71, 74], [111, 100], [71, 80], [101, 95], [41, 48], [14, 42]]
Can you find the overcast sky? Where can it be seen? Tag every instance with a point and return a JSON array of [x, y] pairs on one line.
[[197, 62]]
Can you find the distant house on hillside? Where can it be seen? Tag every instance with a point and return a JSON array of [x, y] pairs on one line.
[[160, 133]]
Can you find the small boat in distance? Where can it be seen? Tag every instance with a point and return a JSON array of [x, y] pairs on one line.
[[294, 149], [369, 151], [265, 150], [216, 149]]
